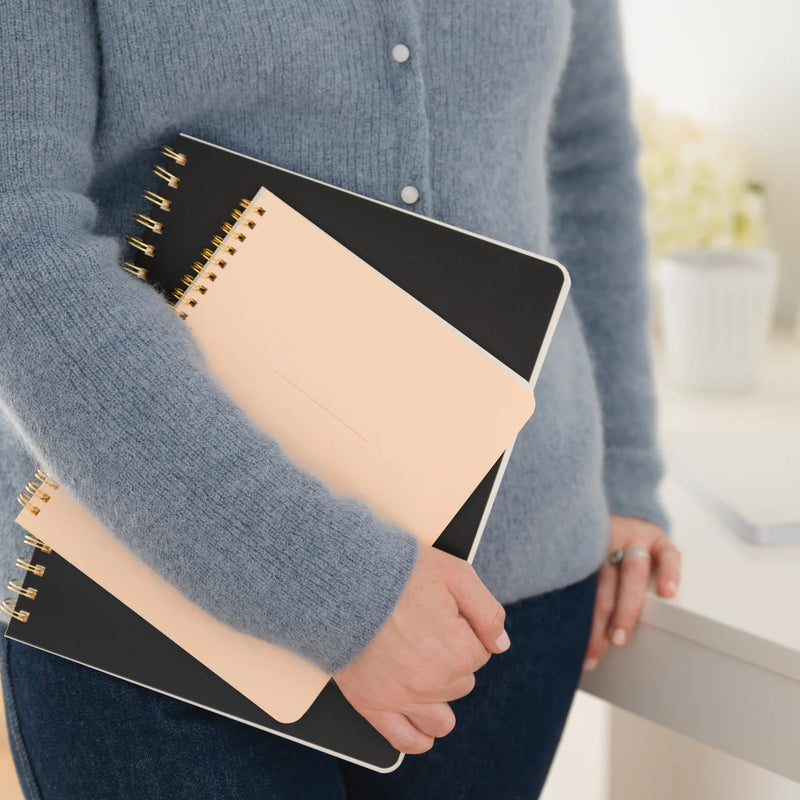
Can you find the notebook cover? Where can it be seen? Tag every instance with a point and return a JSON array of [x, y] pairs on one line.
[[504, 298]]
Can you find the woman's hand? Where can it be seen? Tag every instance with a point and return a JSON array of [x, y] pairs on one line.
[[621, 589], [444, 628]]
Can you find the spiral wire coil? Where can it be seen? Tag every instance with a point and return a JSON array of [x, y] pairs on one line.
[[205, 271], [37, 492], [162, 202]]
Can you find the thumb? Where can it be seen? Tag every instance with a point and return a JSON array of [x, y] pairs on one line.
[[484, 613]]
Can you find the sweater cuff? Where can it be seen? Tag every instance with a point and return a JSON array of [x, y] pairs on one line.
[[631, 479], [378, 564]]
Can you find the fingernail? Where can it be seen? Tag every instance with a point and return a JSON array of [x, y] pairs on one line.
[[671, 587], [502, 643], [618, 636], [590, 663]]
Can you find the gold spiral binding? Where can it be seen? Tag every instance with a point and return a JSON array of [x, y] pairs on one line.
[[188, 280], [161, 203], [17, 585], [139, 272], [43, 477], [178, 158], [27, 564], [26, 500], [202, 270], [245, 204], [139, 244], [9, 606], [218, 241], [33, 541], [148, 222], [206, 270], [34, 491], [228, 229], [237, 215], [157, 200], [165, 175]]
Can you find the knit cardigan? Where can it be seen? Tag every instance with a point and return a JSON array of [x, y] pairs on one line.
[[511, 118]]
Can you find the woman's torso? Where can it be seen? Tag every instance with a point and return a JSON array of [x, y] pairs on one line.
[[314, 87]]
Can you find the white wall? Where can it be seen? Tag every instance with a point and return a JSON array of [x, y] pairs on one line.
[[733, 65]]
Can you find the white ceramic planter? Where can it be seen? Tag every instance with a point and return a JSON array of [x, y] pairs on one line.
[[717, 307]]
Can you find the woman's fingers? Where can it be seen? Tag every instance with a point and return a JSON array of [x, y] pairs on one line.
[[460, 687], [667, 566], [400, 732], [634, 575], [413, 732], [432, 719], [603, 608], [622, 589]]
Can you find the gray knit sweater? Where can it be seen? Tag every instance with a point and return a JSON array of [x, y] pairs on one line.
[[511, 119]]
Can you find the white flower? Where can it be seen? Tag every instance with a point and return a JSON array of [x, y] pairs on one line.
[[697, 192]]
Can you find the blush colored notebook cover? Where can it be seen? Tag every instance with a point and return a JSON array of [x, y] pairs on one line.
[[507, 302]]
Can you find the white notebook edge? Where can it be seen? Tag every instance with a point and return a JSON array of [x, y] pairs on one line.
[[297, 739]]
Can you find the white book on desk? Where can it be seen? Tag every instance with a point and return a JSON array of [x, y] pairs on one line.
[[749, 478]]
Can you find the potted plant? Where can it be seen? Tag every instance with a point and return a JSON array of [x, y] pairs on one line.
[[715, 275]]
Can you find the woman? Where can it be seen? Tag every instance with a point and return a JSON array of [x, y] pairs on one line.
[[510, 119]]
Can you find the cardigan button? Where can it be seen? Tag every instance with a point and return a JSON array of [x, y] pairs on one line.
[[409, 194], [401, 53]]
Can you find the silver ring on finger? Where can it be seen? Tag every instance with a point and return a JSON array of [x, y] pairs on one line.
[[618, 556]]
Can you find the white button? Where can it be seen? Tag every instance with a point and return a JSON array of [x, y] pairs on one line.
[[409, 194], [401, 53]]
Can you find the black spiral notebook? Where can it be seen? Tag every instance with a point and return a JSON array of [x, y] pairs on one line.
[[505, 299]]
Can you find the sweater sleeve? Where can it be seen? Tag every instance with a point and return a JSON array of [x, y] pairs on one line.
[[108, 390], [597, 232]]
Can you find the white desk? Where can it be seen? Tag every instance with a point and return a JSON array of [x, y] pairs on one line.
[[721, 661]]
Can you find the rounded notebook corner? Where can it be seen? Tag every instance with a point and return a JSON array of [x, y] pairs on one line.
[[391, 767], [564, 272], [289, 716], [290, 712], [529, 401]]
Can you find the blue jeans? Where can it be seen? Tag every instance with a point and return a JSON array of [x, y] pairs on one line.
[[78, 734]]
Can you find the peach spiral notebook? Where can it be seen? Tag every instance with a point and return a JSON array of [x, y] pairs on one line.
[[357, 381]]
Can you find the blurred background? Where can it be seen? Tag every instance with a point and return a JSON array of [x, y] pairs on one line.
[[717, 97], [731, 69]]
